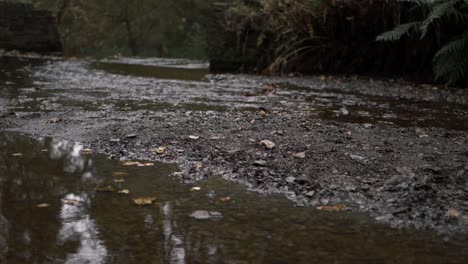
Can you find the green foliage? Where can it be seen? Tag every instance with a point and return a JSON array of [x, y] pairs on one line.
[[450, 63]]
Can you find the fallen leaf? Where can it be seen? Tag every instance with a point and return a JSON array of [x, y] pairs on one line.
[[119, 180], [299, 155], [148, 164], [55, 120], [336, 207], [452, 214], [194, 137], [158, 150], [70, 202], [45, 150], [144, 200], [268, 144], [105, 189], [125, 191], [197, 165], [87, 151], [195, 188], [119, 174], [225, 199], [17, 155], [130, 163], [43, 205], [205, 215]]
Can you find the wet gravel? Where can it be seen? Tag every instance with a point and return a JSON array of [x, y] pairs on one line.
[[406, 176]]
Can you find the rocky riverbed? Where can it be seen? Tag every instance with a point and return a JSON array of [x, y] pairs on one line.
[[394, 150]]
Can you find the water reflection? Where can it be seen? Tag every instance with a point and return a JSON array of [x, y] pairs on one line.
[[81, 225]]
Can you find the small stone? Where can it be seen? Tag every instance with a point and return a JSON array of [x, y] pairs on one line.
[[131, 136], [290, 179], [114, 140], [299, 155], [384, 218], [310, 194], [367, 125], [260, 163], [268, 144], [344, 111]]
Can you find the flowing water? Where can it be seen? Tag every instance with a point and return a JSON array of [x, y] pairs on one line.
[[51, 212]]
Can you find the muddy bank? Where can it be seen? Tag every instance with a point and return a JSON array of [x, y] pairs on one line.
[[406, 169]]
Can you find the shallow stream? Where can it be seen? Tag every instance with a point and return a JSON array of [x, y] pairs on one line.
[[52, 212]]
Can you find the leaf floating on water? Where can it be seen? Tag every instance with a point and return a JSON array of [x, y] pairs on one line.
[[87, 151], [119, 180], [195, 188], [205, 215], [194, 137], [148, 164], [332, 208], [299, 155], [144, 200], [54, 120], [17, 154], [119, 174], [70, 202], [124, 191], [43, 205], [268, 144], [105, 189], [129, 163], [225, 199]]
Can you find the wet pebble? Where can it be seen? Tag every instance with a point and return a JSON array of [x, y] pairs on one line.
[[206, 215]]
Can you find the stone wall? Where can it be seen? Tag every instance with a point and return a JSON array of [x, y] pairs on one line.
[[24, 28]]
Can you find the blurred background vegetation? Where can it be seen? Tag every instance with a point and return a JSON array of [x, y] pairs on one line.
[[425, 40], [104, 28]]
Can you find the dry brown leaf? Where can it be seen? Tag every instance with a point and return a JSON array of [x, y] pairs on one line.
[[43, 205], [119, 174], [225, 199], [452, 214], [55, 120], [144, 200], [299, 155], [158, 150], [87, 151], [336, 207], [105, 189]]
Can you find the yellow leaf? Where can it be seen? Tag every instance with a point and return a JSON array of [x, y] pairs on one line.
[[119, 174], [225, 199], [144, 200]]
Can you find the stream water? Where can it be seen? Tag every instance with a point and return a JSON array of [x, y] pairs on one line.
[[51, 212]]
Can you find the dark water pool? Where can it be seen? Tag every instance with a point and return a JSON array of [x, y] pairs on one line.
[[51, 212]]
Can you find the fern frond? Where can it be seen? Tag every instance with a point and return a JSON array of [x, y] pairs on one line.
[[450, 63], [441, 9], [398, 32]]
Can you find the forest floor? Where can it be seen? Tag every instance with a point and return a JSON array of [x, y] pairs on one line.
[[394, 150]]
